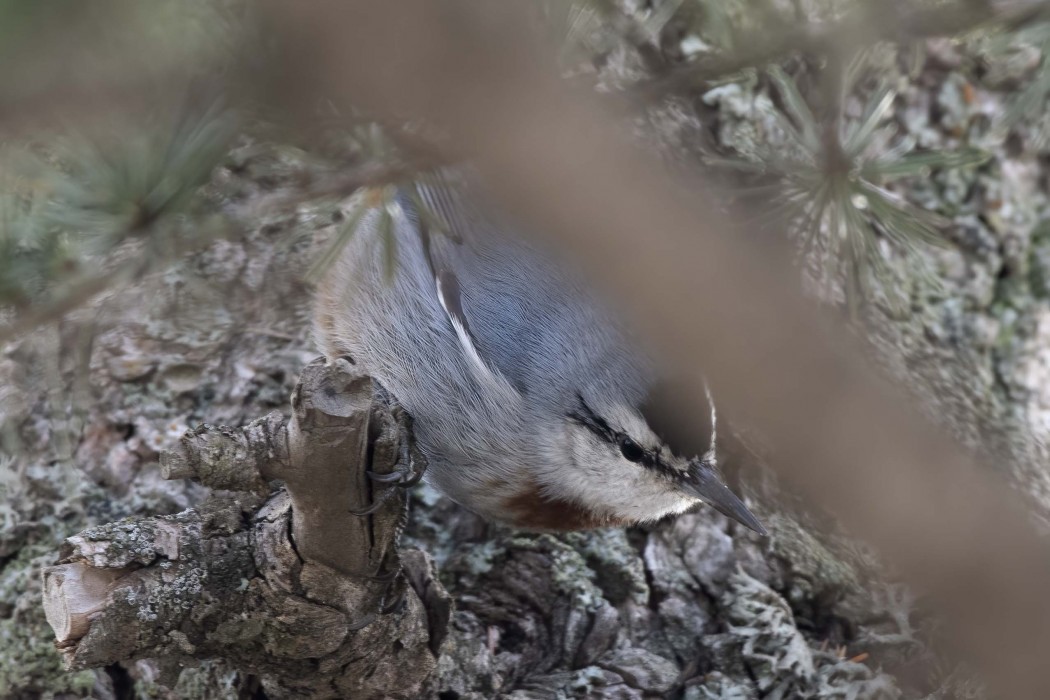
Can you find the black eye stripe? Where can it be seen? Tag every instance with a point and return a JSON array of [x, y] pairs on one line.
[[630, 449], [592, 421]]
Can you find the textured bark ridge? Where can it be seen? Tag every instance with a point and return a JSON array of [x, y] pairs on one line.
[[294, 587]]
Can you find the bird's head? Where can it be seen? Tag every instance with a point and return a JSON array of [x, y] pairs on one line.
[[637, 463]]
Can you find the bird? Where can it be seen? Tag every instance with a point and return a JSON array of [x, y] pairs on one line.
[[534, 404]]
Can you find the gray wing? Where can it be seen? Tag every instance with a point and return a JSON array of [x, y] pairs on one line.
[[449, 228], [520, 316]]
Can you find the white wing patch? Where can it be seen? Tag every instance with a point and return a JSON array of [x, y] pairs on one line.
[[449, 295], [457, 221]]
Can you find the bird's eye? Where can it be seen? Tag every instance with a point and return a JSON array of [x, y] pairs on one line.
[[630, 449]]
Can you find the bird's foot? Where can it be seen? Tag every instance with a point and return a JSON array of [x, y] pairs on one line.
[[408, 471]]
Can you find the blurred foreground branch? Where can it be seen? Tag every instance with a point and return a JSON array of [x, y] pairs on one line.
[[708, 299], [298, 590]]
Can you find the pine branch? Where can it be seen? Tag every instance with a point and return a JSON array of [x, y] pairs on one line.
[[870, 24], [335, 184], [90, 286]]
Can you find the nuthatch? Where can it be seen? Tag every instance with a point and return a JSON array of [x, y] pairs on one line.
[[529, 399]]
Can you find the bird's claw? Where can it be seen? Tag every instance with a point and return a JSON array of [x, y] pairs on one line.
[[397, 604], [409, 470], [404, 478], [376, 504], [363, 622]]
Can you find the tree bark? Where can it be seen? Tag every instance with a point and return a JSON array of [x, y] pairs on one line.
[[294, 587]]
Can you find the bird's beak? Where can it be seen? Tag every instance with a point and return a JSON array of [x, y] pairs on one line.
[[703, 483]]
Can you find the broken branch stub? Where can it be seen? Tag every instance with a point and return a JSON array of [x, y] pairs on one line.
[[295, 588]]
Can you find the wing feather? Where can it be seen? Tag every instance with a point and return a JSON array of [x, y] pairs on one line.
[[457, 224]]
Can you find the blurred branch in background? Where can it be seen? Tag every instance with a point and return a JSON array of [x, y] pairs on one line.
[[84, 62], [114, 156], [844, 438], [74, 203], [148, 167], [128, 109], [868, 23]]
